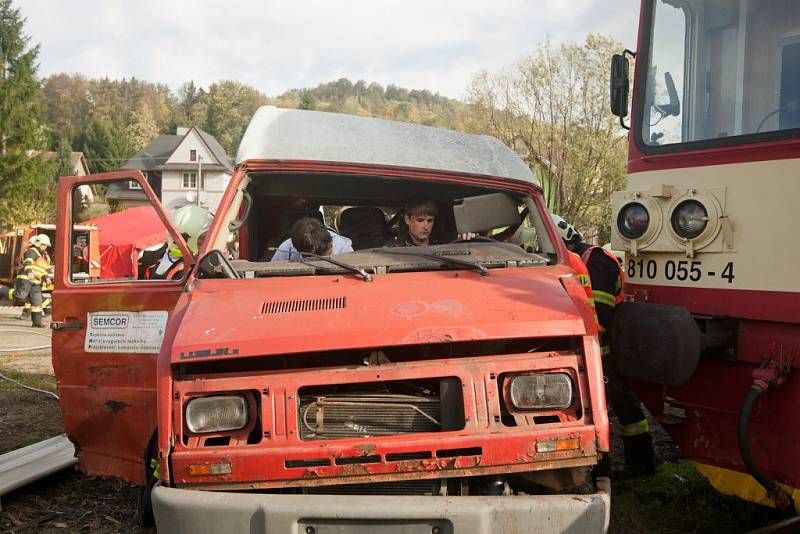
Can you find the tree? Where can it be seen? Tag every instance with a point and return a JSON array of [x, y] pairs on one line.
[[63, 160], [308, 101], [21, 122], [106, 148], [230, 107], [142, 129], [552, 107]]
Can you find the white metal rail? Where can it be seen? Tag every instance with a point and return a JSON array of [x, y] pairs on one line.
[[28, 464]]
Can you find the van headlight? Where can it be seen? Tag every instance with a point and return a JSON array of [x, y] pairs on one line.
[[216, 414], [541, 391], [633, 220]]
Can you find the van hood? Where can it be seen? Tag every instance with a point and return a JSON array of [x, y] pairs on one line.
[[271, 316]]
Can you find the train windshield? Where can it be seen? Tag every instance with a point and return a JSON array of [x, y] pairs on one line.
[[716, 69]]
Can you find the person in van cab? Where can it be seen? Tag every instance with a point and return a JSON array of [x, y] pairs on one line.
[[310, 236], [193, 223], [419, 215]]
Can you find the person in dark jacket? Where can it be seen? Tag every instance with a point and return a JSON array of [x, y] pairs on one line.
[[607, 278]]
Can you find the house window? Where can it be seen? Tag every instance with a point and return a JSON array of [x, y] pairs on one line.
[[134, 185], [193, 155], [190, 180]]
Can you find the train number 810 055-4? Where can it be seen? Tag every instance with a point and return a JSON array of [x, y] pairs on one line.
[[680, 270]]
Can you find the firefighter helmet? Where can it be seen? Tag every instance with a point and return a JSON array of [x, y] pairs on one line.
[[192, 222], [40, 239], [565, 230]]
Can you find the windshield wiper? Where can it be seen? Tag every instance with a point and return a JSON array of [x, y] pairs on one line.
[[443, 259], [353, 269]]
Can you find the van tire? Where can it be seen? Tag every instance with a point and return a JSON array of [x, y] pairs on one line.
[[144, 503]]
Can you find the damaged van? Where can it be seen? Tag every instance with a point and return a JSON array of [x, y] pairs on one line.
[[455, 386]]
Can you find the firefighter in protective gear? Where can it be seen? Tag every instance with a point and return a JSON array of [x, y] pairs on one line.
[[20, 293], [36, 266], [607, 278], [192, 222]]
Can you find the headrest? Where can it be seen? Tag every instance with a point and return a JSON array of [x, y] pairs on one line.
[[362, 220]]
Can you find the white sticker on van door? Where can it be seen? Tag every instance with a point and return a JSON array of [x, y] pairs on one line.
[[132, 332]]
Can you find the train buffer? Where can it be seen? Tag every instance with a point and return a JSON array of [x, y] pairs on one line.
[[29, 464]]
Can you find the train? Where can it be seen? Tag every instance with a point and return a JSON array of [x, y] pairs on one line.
[[706, 222]]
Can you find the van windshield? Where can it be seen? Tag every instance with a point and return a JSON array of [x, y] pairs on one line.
[[316, 224]]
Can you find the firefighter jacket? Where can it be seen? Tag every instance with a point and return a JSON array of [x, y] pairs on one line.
[[582, 274], [607, 278], [36, 266]]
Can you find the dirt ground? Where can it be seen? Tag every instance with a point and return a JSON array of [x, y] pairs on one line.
[[676, 500]]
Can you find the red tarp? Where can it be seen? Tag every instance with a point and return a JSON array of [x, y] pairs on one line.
[[122, 236]]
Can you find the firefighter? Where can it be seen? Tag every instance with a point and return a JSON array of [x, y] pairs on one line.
[[607, 278], [20, 293], [192, 222], [36, 269]]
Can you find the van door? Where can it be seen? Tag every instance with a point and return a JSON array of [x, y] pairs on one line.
[[109, 329]]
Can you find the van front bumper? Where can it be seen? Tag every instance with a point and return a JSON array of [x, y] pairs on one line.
[[197, 512]]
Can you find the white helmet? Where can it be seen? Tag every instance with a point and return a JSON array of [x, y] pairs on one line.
[[192, 222], [565, 230], [39, 239], [44, 240]]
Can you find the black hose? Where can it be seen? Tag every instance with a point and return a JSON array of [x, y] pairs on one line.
[[744, 441]]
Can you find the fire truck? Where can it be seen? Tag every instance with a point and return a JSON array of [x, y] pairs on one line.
[[85, 251], [706, 225], [453, 386]]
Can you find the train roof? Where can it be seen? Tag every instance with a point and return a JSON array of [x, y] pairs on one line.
[[302, 135]]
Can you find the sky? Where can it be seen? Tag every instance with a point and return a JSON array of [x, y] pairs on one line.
[[274, 46]]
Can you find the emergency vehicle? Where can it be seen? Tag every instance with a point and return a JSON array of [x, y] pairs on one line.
[[706, 223], [85, 251], [455, 387]]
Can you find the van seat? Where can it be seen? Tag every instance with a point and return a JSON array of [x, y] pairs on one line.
[[365, 226]]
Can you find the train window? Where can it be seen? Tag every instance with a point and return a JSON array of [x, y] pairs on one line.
[[790, 86], [720, 69]]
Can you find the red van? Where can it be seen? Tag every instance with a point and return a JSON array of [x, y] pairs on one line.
[[455, 386]]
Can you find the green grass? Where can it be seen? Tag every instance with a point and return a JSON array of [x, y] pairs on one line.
[[678, 499], [45, 382]]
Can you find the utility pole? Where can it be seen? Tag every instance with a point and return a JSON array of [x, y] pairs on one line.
[[199, 176]]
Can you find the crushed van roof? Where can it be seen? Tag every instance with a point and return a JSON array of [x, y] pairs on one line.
[[302, 135]]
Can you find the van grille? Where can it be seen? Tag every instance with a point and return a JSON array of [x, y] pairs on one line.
[[360, 416], [291, 306]]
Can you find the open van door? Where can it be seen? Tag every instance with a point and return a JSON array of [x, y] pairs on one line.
[[108, 330]]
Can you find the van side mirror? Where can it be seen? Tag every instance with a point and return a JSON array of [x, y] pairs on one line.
[[619, 86]]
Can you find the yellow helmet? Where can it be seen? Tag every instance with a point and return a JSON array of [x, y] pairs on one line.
[[192, 222]]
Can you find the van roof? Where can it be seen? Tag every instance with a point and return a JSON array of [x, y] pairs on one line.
[[302, 135]]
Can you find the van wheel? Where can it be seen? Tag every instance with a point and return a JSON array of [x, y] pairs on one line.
[[144, 503]]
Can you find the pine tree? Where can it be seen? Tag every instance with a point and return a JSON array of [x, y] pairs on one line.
[[106, 148], [22, 180]]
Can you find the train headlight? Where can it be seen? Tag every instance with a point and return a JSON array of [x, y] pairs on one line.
[[541, 391], [633, 220], [689, 219], [216, 414]]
